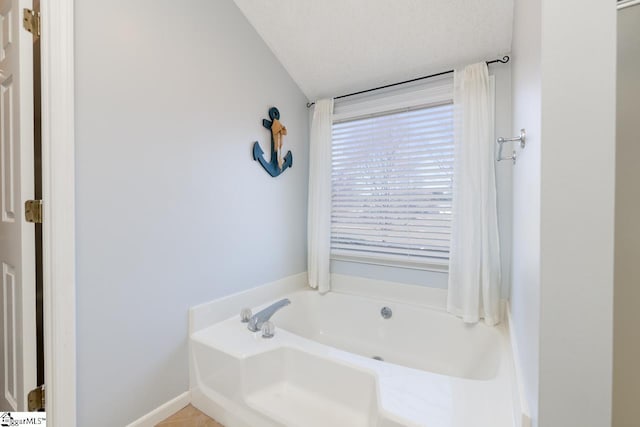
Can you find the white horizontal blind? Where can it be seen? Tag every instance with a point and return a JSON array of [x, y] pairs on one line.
[[392, 186]]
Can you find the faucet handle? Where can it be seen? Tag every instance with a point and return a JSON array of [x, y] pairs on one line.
[[268, 329], [245, 315]]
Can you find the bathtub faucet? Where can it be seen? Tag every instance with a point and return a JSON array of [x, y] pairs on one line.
[[256, 321]]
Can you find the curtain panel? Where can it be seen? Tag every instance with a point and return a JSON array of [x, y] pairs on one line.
[[319, 206], [474, 266]]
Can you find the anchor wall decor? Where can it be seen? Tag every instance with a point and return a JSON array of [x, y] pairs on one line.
[[277, 164]]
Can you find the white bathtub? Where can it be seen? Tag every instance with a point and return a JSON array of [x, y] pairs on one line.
[[414, 337], [319, 369]]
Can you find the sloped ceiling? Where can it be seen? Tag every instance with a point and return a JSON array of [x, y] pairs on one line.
[[333, 47]]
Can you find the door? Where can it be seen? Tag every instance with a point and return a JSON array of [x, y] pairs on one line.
[[17, 237]]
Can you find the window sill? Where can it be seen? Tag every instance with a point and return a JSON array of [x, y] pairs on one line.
[[399, 263]]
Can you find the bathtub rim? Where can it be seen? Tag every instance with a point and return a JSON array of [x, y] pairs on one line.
[[206, 314]]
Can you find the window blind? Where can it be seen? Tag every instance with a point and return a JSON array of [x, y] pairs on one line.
[[392, 186]]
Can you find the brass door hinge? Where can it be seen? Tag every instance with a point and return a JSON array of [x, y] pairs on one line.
[[33, 211], [31, 22], [35, 399]]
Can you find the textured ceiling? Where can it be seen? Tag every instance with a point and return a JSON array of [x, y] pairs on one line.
[[332, 47]]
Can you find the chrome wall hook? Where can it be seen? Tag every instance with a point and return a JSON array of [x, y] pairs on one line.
[[522, 138]]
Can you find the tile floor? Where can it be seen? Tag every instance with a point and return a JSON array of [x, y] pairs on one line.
[[189, 417]]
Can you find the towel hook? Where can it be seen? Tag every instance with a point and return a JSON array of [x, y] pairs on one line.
[[522, 138]]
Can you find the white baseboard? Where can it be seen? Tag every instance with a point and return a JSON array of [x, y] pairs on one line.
[[163, 412], [522, 415]]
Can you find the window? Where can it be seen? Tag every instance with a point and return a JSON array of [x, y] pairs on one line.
[[392, 178]]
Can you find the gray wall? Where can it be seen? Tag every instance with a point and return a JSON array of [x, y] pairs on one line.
[[577, 207], [525, 276], [504, 170], [525, 280], [562, 298], [626, 352], [171, 209]]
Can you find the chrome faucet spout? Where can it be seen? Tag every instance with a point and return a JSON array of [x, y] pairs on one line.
[[258, 319]]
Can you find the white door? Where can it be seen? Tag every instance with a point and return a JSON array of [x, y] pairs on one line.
[[17, 237]]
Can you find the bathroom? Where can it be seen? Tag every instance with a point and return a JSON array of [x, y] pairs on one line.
[[173, 212]]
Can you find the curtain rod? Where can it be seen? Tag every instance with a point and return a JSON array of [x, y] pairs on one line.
[[504, 60]]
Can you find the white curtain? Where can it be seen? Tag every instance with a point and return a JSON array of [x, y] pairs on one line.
[[319, 207], [474, 266]]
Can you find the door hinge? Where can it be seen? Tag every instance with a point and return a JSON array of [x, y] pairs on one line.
[[35, 399], [33, 211], [31, 22]]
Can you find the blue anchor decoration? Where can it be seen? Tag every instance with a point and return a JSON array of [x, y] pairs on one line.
[[272, 167]]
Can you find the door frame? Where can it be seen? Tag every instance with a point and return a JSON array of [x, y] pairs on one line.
[[58, 194]]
